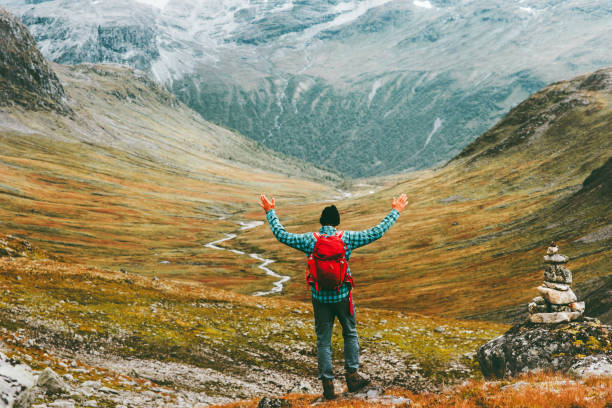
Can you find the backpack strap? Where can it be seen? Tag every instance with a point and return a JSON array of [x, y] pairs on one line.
[[340, 234]]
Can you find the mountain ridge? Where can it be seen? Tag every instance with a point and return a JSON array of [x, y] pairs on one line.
[[413, 82]]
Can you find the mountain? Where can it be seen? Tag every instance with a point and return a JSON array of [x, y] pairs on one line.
[[25, 76], [100, 163], [367, 87], [471, 241]]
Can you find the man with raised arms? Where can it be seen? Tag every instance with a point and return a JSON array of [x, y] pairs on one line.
[[330, 279]]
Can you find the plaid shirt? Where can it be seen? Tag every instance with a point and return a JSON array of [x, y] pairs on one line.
[[352, 239]]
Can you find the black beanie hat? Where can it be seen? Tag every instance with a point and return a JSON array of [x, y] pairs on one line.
[[330, 216]]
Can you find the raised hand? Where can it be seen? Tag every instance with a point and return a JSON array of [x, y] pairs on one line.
[[266, 204], [399, 203]]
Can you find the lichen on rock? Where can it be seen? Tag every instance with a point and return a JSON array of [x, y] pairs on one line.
[[530, 347]]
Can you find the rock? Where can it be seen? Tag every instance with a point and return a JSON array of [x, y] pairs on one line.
[[556, 317], [108, 390], [577, 306], [557, 286], [535, 308], [552, 250], [557, 297], [539, 300], [516, 386], [561, 308], [557, 273], [302, 387], [16, 384], [555, 259], [62, 404], [273, 403], [440, 329], [529, 347], [373, 393], [91, 403], [593, 366], [49, 381]]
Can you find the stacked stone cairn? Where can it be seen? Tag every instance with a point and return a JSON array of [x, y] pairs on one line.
[[557, 302]]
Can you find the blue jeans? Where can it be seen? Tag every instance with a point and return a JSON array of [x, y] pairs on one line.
[[324, 314]]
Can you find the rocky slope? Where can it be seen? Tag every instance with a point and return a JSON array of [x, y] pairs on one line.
[[365, 86], [120, 338], [25, 77]]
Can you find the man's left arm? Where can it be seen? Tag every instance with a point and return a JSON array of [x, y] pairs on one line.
[[356, 239]]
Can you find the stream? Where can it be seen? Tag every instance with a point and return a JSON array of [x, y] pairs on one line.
[[277, 286]]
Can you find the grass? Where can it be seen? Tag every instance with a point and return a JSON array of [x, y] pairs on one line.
[[136, 180], [77, 307], [526, 391], [471, 239]]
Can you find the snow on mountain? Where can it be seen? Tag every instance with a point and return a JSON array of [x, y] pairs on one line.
[[355, 84]]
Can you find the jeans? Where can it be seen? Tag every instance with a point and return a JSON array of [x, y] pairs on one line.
[[325, 314]]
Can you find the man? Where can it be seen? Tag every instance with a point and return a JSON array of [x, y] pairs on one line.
[[329, 304]]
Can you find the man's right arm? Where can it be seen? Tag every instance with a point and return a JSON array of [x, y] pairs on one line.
[[301, 242]]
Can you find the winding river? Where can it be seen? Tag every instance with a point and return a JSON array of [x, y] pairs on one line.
[[277, 286]]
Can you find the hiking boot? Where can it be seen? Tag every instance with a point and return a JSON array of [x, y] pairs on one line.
[[328, 389], [355, 382]]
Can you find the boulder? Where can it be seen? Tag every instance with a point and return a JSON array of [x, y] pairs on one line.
[[535, 308], [532, 347], [593, 366], [273, 403], [49, 381], [561, 308], [557, 273], [552, 250], [555, 259], [557, 286], [554, 317], [577, 306], [557, 297], [16, 383], [539, 300]]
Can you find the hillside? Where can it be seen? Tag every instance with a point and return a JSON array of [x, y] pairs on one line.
[[368, 87], [120, 174], [152, 340], [471, 240]]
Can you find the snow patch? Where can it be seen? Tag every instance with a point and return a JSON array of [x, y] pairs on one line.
[[528, 10], [377, 84], [160, 4], [423, 4], [436, 127]]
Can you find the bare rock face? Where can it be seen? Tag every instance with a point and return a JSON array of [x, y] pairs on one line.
[[25, 77], [532, 347], [16, 383]]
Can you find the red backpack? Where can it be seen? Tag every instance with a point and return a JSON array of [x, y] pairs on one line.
[[327, 265]]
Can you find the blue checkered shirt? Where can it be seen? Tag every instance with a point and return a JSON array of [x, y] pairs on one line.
[[352, 239]]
